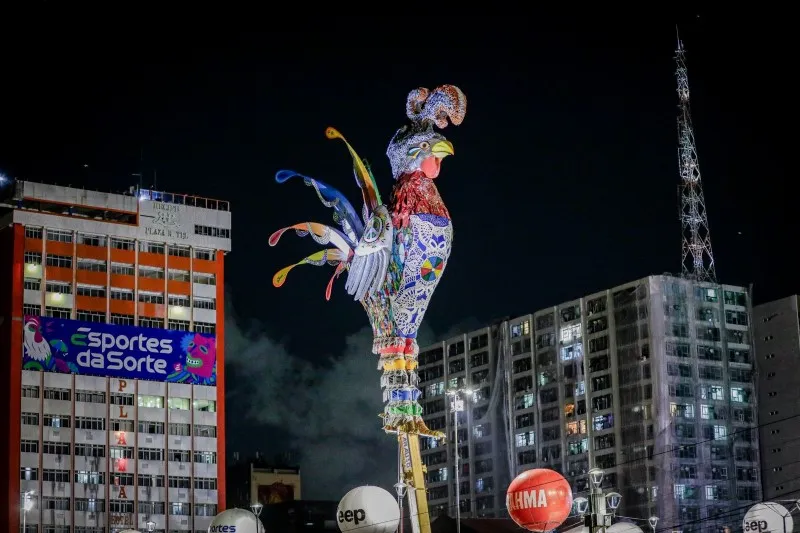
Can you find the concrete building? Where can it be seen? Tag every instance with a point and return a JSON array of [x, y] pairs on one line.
[[652, 381], [112, 319], [258, 480], [777, 341]]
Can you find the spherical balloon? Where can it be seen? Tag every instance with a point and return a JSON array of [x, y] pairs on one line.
[[539, 499], [368, 509], [129, 531], [767, 516], [235, 521]]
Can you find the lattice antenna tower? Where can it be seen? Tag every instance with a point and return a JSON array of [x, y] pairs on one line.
[[697, 259]]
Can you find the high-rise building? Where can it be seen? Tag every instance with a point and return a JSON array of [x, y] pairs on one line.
[[112, 324], [777, 341], [651, 381]]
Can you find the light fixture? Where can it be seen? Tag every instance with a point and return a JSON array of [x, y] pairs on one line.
[[150, 525], [653, 520], [596, 477], [581, 505], [256, 508], [400, 488], [613, 499]]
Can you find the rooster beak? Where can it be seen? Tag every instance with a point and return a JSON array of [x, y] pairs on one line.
[[442, 149]]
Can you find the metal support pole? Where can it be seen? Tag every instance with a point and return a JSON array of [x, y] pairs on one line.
[[458, 477]]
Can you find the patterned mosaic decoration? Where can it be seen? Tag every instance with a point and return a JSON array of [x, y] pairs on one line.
[[394, 255]]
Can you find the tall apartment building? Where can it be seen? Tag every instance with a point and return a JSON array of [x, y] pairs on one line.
[[112, 321], [652, 381], [777, 341]]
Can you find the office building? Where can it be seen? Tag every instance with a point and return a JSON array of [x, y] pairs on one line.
[[258, 480], [777, 341], [651, 381], [112, 309]]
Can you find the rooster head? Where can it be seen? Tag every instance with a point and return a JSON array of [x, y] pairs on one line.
[[417, 146]]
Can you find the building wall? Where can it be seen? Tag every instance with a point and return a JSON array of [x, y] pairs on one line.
[[467, 360], [263, 480], [149, 259], [609, 380], [777, 340]]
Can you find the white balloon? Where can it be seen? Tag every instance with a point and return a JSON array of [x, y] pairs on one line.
[[767, 517], [623, 527], [129, 531], [368, 509], [235, 521]]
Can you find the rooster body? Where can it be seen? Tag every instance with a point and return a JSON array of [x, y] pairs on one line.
[[394, 254]]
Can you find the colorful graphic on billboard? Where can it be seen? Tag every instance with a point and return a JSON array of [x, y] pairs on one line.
[[75, 347]]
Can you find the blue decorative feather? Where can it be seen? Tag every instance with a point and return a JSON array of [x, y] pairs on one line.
[[343, 212]]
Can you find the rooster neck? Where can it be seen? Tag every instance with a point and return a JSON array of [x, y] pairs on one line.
[[415, 194]]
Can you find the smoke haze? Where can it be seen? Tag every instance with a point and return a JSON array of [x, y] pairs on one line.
[[326, 414]]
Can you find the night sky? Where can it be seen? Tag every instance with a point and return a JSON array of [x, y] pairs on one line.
[[564, 180]]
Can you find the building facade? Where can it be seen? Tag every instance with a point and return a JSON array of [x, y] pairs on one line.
[[112, 309], [777, 341], [651, 381], [258, 480]]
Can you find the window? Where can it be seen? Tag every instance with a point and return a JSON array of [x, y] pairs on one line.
[[92, 265], [211, 231], [151, 297], [91, 423], [56, 312], [55, 448], [151, 247], [178, 300], [122, 244], [32, 284], [58, 287], [178, 325], [89, 396], [154, 402], [203, 327], [93, 291], [92, 240], [151, 272], [32, 232], [55, 476], [59, 261], [122, 269], [178, 403], [122, 320], [179, 251], [121, 294], [57, 394], [57, 421], [30, 391], [205, 303], [29, 446], [205, 483], [179, 275], [91, 316], [205, 405], [121, 399], [203, 278], [33, 258], [59, 235], [30, 419], [205, 431], [151, 428], [149, 322], [206, 255]]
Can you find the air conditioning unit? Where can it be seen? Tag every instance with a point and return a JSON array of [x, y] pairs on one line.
[[148, 440]]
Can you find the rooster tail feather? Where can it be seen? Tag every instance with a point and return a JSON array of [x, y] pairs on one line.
[[343, 212], [364, 178], [322, 257], [321, 234], [341, 267]]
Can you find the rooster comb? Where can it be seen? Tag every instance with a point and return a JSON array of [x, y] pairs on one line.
[[446, 102]]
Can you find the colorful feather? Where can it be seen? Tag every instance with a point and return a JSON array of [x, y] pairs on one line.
[[331, 255], [341, 267], [364, 178], [321, 234], [344, 213]]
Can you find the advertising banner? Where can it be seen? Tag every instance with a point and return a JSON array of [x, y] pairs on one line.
[[90, 348]]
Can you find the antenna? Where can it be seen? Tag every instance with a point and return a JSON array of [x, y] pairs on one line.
[[697, 259]]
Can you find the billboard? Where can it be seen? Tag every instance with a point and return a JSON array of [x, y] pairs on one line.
[[90, 348]]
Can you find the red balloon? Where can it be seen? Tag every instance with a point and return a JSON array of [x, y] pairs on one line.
[[539, 499]]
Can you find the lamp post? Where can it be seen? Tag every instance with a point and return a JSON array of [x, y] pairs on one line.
[[653, 521], [594, 510], [401, 488], [256, 509], [457, 406], [27, 505], [150, 525]]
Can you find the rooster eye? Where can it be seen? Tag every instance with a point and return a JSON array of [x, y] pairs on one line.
[[424, 145]]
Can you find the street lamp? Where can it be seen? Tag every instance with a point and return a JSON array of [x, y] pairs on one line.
[[27, 505], [256, 508], [653, 521], [401, 489], [594, 509], [150, 525], [457, 406]]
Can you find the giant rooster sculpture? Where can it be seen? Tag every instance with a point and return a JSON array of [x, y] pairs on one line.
[[394, 255]]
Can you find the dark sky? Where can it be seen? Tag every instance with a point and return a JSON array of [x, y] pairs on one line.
[[564, 180]]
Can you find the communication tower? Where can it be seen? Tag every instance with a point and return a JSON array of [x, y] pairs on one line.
[[697, 259]]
